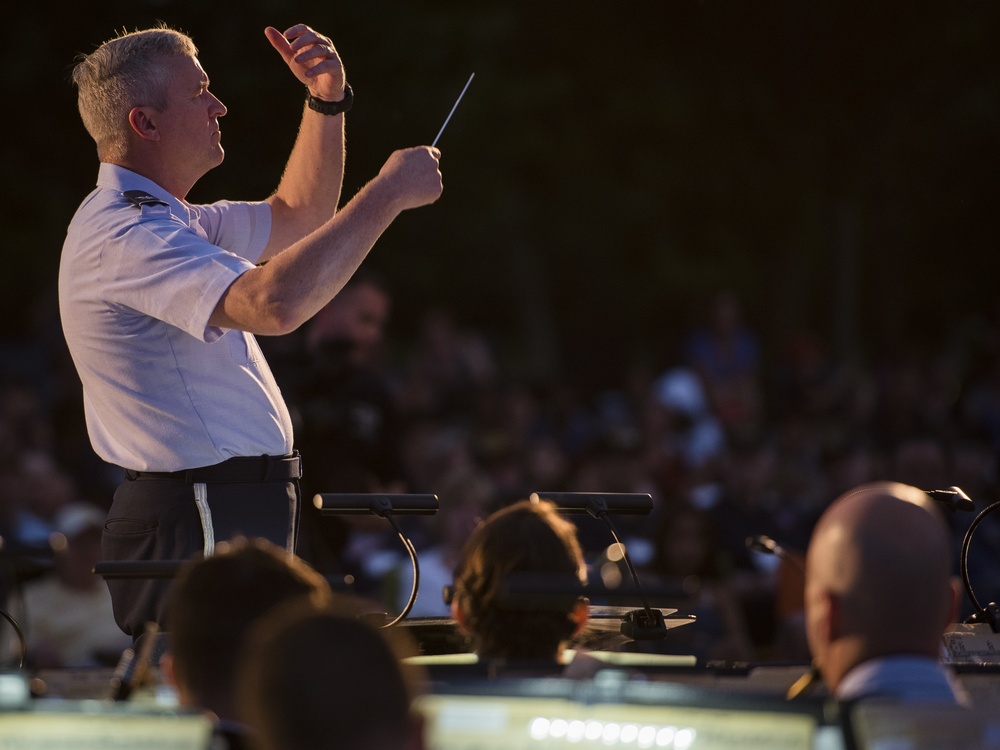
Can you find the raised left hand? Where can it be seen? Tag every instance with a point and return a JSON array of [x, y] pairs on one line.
[[312, 58]]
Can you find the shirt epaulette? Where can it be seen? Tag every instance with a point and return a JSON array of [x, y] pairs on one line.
[[140, 198]]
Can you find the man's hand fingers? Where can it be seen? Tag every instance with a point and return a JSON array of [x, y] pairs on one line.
[[298, 38], [301, 36], [279, 42], [294, 32], [318, 52], [312, 57]]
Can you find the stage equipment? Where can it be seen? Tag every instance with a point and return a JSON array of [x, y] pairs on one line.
[[641, 624], [386, 506]]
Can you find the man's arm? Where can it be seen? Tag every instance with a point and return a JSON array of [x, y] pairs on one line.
[[309, 191], [281, 295]]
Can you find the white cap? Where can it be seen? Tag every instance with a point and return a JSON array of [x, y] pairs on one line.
[[680, 390]]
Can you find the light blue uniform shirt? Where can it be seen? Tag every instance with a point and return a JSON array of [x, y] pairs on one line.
[[163, 390], [903, 678]]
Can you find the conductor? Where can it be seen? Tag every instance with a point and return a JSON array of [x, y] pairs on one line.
[[160, 299]]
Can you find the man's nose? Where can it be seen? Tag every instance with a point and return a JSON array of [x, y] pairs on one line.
[[219, 107]]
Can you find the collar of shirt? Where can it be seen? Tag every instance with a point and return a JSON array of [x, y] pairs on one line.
[[903, 677]]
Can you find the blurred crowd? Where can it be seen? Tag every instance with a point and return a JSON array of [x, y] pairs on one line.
[[732, 439]]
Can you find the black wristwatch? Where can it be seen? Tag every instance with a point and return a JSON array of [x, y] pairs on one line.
[[333, 108]]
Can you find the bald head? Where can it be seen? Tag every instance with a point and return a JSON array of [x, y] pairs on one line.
[[878, 578]]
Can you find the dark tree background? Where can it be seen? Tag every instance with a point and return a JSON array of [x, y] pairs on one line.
[[612, 165]]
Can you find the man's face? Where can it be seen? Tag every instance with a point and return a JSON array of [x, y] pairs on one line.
[[359, 315], [189, 125], [364, 321]]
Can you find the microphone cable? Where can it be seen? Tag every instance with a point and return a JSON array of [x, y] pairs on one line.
[[22, 642]]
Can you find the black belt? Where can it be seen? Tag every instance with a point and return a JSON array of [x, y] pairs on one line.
[[236, 470]]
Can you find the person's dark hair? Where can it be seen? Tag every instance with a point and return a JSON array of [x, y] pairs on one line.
[[318, 677], [216, 601], [523, 538]]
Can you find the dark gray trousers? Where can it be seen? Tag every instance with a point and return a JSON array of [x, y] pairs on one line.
[[166, 519]]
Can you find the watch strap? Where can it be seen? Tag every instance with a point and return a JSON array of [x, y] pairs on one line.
[[333, 108]]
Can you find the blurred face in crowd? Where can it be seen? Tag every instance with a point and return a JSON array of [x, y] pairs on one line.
[[359, 315]]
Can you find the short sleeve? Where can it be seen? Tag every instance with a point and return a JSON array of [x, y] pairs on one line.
[[164, 269], [242, 228]]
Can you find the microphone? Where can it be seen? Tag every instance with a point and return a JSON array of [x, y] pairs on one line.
[[952, 498], [764, 543], [21, 640], [990, 614], [595, 503], [386, 506], [354, 504], [640, 624]]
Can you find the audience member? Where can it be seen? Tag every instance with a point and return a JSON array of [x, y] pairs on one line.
[[687, 559], [349, 419], [879, 595], [449, 366], [43, 490], [347, 409], [726, 355], [688, 430], [69, 621], [464, 501], [314, 678], [522, 540], [921, 460], [213, 605]]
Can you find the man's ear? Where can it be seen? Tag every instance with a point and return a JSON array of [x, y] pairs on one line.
[[458, 616], [141, 121], [167, 668], [580, 615]]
